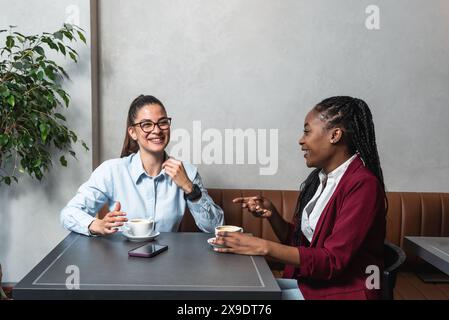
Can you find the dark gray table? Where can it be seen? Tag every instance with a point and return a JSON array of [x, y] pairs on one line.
[[189, 269], [434, 250]]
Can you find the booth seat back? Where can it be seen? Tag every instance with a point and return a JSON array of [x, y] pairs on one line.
[[409, 213]]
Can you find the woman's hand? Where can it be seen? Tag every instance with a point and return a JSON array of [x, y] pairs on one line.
[[109, 224], [241, 243], [175, 169], [259, 206]]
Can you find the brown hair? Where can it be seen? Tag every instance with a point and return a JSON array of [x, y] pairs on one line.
[[129, 145]]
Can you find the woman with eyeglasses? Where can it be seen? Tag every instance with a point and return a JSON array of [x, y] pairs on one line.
[[333, 248], [144, 182]]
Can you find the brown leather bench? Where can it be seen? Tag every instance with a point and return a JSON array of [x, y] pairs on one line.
[[409, 214]]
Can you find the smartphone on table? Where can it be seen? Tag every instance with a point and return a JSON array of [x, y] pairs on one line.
[[147, 250]]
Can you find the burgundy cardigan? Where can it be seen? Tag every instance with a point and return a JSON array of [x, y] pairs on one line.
[[349, 236]]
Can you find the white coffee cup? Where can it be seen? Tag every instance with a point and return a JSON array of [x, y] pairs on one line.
[[228, 228], [140, 227]]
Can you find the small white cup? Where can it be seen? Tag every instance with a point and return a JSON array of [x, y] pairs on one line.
[[140, 227], [228, 228]]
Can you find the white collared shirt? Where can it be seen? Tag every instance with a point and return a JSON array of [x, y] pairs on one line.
[[328, 183]]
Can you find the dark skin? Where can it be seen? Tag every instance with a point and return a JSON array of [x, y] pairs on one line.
[[323, 148]]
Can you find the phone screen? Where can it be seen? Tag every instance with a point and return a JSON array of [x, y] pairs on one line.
[[147, 250]]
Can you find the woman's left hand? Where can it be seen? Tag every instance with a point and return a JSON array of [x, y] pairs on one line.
[[175, 169], [241, 243]]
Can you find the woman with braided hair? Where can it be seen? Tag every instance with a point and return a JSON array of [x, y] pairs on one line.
[[337, 235]]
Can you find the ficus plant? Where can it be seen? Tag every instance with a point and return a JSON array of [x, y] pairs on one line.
[[32, 126]]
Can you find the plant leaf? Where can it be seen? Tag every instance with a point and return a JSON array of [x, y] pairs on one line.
[[9, 42], [4, 91], [50, 98], [45, 130], [11, 101], [49, 72], [61, 47], [7, 180], [64, 96], [50, 43], [60, 116], [63, 161], [40, 75], [73, 56], [73, 135], [40, 50], [17, 65], [38, 174], [58, 35], [84, 145], [27, 141], [3, 140], [18, 33], [68, 35], [81, 35], [37, 163]]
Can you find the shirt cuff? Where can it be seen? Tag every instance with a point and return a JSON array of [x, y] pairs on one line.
[[200, 203], [84, 223]]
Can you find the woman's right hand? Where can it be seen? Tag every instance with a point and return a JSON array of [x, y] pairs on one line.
[[110, 223], [259, 206]]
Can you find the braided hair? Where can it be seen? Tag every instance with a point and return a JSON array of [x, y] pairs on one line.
[[355, 117]]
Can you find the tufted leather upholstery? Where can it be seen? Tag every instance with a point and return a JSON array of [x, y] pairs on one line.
[[409, 213], [417, 214]]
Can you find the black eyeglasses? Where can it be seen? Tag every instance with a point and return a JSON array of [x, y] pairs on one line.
[[148, 125]]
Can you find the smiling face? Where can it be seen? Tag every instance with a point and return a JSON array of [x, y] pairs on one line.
[[156, 140], [318, 142]]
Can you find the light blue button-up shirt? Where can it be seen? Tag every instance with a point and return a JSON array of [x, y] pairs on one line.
[[140, 195]]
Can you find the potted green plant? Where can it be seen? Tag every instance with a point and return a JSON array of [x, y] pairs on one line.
[[31, 94]]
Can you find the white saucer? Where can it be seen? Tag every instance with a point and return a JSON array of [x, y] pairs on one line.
[[149, 237], [209, 241]]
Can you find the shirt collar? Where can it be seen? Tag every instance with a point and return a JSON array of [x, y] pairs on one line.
[[137, 169]]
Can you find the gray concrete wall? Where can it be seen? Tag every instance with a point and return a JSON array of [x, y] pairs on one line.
[[29, 211], [262, 64]]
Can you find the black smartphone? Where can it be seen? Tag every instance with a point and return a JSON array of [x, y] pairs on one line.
[[147, 250]]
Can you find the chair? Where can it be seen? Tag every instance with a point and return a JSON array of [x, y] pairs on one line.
[[394, 257]]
